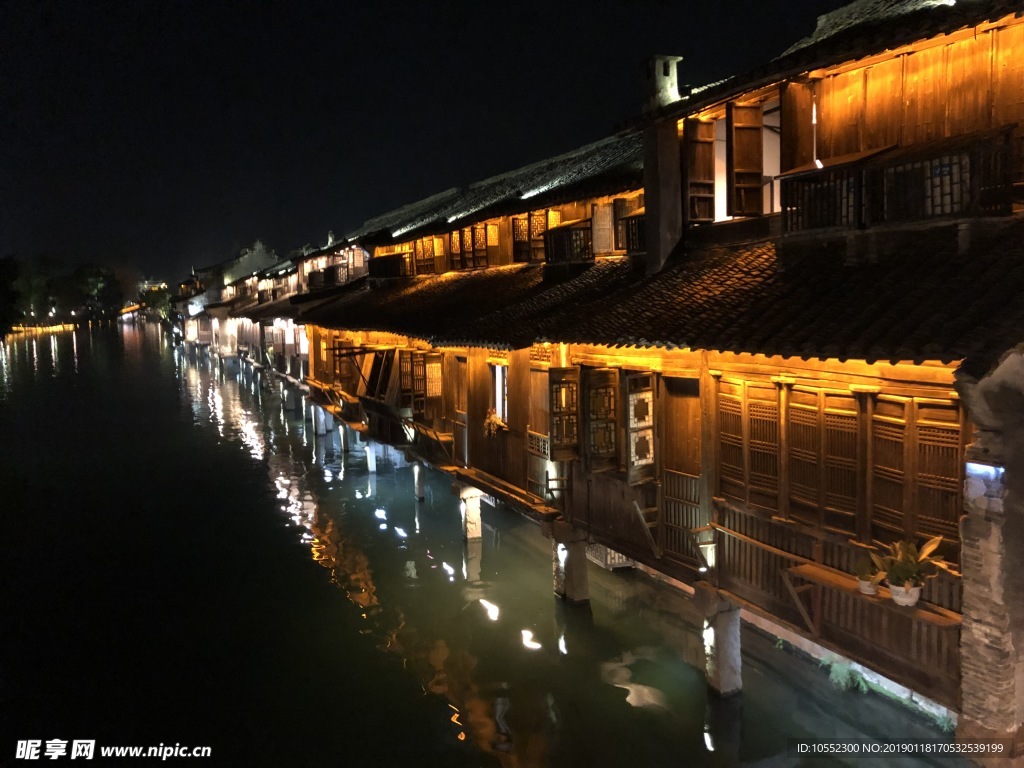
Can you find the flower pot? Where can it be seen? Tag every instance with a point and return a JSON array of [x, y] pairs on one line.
[[904, 595], [867, 587]]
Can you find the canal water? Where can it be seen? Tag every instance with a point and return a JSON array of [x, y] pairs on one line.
[[184, 563]]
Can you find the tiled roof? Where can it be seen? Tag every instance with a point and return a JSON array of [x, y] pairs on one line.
[[918, 17], [431, 307], [607, 166], [920, 304]]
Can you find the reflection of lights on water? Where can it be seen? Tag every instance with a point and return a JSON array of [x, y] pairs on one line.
[[493, 612], [380, 514], [328, 476], [359, 494], [401, 532], [529, 642], [561, 646], [383, 526], [448, 569], [410, 569]]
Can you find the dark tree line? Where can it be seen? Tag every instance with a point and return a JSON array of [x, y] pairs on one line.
[[41, 292]]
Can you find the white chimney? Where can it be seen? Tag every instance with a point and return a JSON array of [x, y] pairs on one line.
[[662, 81]]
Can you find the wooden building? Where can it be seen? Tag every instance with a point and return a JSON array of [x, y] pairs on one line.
[[734, 344]]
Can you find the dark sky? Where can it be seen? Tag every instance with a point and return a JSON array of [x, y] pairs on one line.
[[170, 134]]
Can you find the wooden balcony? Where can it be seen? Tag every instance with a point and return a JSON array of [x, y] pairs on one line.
[[959, 177]]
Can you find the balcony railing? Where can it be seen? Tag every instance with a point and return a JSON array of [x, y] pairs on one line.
[[569, 243], [960, 177], [635, 226]]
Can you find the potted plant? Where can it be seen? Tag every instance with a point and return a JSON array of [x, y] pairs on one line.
[[493, 424], [869, 575], [906, 567]]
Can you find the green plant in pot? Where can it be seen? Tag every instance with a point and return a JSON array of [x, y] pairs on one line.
[[868, 574], [906, 567]]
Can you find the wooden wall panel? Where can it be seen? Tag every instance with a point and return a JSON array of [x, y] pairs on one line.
[[968, 79], [1008, 74], [883, 104], [925, 95], [841, 114], [680, 430]]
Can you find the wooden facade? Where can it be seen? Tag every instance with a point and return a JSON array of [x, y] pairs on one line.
[[571, 232], [769, 475]]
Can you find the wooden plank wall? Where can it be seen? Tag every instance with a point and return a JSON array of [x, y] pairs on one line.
[[972, 84]]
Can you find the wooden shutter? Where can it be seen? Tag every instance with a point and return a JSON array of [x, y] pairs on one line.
[[564, 387], [888, 470], [433, 375], [938, 469], [823, 454], [698, 160], [732, 464], [797, 132], [603, 225], [763, 446], [419, 382], [640, 463], [405, 357], [744, 159], [602, 425]]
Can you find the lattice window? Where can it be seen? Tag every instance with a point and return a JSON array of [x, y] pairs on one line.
[[434, 375], [640, 425], [888, 438], [731, 472], [602, 418], [564, 386]]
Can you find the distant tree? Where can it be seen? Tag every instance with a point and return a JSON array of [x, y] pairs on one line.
[[157, 300], [33, 285]]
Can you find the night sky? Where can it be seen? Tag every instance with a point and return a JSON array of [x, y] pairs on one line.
[[163, 135]]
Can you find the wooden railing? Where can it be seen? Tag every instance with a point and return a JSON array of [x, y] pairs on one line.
[[966, 176], [753, 552]]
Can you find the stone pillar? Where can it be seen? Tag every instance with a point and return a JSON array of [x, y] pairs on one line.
[[290, 399], [472, 528], [371, 459], [473, 559], [569, 562], [992, 554], [330, 422], [320, 417], [419, 474], [345, 438], [722, 661]]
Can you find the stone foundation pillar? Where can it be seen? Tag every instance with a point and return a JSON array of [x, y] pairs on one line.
[[320, 417], [419, 474], [345, 438], [289, 398], [472, 528], [569, 562], [723, 664], [371, 459], [473, 555]]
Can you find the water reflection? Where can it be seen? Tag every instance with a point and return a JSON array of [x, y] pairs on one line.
[[527, 679]]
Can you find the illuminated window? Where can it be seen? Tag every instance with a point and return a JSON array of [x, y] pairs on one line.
[[499, 380]]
